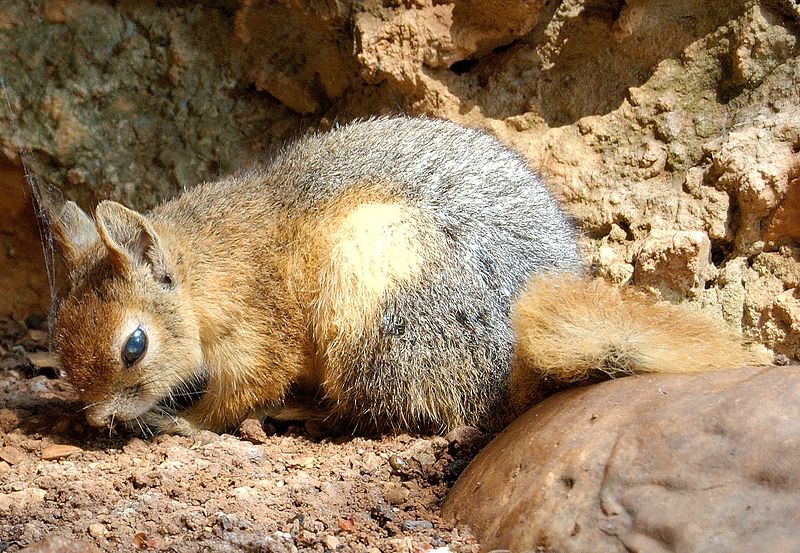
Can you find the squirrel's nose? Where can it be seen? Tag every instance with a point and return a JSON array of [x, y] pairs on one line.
[[99, 416]]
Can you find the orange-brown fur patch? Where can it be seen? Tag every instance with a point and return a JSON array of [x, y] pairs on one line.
[[254, 344]]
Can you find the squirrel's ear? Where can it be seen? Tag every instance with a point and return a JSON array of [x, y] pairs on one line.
[[74, 231], [130, 239]]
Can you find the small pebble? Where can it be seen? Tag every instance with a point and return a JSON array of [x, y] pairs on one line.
[[12, 455], [397, 496], [143, 541], [139, 540], [97, 530], [252, 431], [330, 542], [399, 465], [463, 436], [44, 359], [412, 525], [59, 451], [22, 498], [38, 336], [346, 524], [382, 513], [301, 462], [305, 537], [142, 478]]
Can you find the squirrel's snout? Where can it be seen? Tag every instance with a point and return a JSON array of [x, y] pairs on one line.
[[117, 408], [100, 416]]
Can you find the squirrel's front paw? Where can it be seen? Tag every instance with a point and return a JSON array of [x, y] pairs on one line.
[[152, 423]]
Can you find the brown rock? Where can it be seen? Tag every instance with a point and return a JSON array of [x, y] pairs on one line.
[[143, 541], [346, 524], [252, 431], [331, 542], [465, 437], [12, 455], [21, 499], [780, 319], [39, 337], [58, 11], [673, 262], [96, 530], [652, 463], [22, 279], [785, 221], [44, 359], [8, 419], [59, 451], [396, 495]]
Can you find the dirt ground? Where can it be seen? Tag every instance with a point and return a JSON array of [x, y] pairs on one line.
[[64, 484]]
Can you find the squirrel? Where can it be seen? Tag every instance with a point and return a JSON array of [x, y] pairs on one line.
[[392, 274]]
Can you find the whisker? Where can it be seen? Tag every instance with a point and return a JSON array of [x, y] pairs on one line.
[[85, 407], [141, 428], [170, 415]]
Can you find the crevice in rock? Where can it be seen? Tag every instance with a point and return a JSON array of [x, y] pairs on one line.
[[463, 66], [721, 250], [504, 47]]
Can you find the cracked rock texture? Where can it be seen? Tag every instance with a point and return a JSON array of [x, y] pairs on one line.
[[671, 131], [651, 463]]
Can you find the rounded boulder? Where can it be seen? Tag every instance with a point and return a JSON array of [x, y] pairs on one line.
[[705, 462]]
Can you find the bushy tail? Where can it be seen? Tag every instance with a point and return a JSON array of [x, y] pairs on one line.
[[570, 330]]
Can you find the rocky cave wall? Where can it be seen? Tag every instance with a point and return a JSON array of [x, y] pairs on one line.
[[671, 131]]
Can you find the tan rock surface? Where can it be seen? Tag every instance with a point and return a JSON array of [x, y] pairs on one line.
[[647, 117], [23, 278], [664, 463], [673, 262]]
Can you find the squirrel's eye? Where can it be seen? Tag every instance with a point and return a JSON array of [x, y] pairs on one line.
[[134, 347]]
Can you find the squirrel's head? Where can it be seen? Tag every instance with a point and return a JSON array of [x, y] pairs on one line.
[[125, 335]]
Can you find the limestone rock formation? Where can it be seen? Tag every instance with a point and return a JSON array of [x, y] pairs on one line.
[[651, 120], [651, 463]]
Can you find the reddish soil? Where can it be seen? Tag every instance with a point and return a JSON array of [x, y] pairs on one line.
[[65, 485]]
